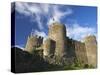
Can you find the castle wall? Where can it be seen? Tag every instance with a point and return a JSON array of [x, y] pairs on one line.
[[57, 32], [49, 47], [76, 51], [91, 49], [70, 47], [71, 54], [80, 51]]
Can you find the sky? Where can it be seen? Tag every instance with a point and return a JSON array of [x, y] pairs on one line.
[[80, 21]]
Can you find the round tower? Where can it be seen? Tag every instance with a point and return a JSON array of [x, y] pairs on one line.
[[91, 50], [31, 44], [57, 32]]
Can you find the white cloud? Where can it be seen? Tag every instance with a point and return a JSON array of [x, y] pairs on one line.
[[27, 9], [78, 32], [50, 21], [57, 14], [50, 11], [22, 8], [33, 9], [45, 8], [38, 19], [39, 33], [19, 46]]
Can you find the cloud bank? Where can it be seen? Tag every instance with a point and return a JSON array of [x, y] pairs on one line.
[[78, 32]]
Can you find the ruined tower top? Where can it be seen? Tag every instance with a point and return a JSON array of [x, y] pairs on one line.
[[56, 29], [90, 38], [33, 42], [91, 49]]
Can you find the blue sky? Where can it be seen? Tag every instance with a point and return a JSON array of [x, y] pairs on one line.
[[80, 21]]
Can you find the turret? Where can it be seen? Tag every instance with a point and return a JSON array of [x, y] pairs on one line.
[[57, 33], [33, 42], [91, 50]]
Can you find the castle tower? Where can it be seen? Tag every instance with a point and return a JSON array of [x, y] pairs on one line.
[[91, 50], [57, 33], [33, 42]]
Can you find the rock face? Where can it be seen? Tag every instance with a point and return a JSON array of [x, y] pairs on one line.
[[60, 49], [91, 49]]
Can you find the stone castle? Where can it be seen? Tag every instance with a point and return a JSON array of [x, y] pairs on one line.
[[60, 49]]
